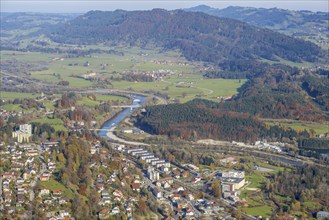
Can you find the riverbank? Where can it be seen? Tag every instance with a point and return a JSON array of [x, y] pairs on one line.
[[110, 134]]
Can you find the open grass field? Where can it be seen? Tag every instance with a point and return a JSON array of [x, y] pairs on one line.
[[53, 185], [101, 98], [56, 123], [300, 126], [264, 211], [187, 88], [18, 95]]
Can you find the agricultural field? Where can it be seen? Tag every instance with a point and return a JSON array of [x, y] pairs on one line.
[[184, 83], [186, 88]]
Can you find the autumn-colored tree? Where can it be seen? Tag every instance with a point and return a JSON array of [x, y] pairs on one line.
[[215, 188]]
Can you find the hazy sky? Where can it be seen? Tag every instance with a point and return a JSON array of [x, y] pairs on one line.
[[108, 5]]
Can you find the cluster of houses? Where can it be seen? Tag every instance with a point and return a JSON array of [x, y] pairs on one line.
[[169, 63], [112, 198], [154, 74], [6, 114], [168, 184], [26, 169], [109, 202]]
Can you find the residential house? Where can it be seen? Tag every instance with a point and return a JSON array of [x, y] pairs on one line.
[[44, 192], [64, 214], [45, 176], [62, 201], [115, 211], [57, 192], [104, 214], [136, 186], [29, 174], [176, 174], [9, 175]]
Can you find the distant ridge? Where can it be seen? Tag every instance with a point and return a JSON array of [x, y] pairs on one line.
[[199, 36], [273, 18]]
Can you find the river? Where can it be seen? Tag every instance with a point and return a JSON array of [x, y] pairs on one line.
[[115, 121]]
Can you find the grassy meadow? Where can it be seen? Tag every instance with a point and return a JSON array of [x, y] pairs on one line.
[[319, 128]]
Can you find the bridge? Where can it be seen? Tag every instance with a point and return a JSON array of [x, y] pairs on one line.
[[126, 106], [99, 129]]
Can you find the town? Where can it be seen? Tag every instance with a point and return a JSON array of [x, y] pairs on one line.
[[31, 178], [191, 112]]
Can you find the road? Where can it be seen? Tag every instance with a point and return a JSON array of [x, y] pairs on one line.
[[161, 100]]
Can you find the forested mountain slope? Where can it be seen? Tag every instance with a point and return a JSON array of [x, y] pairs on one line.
[[199, 36]]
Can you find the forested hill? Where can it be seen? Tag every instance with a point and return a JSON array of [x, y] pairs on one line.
[[199, 36], [200, 119]]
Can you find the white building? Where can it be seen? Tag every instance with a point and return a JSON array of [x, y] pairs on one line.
[[23, 134], [233, 174]]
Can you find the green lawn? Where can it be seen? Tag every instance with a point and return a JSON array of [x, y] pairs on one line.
[[256, 180], [264, 211], [53, 184]]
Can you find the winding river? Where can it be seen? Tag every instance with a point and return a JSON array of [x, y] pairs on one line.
[[138, 100]]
